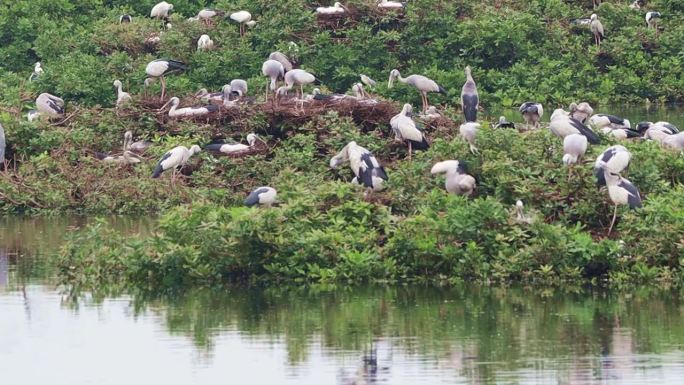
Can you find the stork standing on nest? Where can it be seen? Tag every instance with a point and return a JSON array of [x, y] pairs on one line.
[[457, 180], [470, 100], [421, 83], [620, 190], [597, 30], [336, 9], [158, 69], [50, 105], [237, 88], [243, 18], [174, 159], [297, 77], [263, 196], [121, 96], [405, 129], [366, 168], [232, 148], [175, 112], [532, 112], [274, 70], [207, 14]]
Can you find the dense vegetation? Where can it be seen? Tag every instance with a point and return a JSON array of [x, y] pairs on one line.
[[325, 230]]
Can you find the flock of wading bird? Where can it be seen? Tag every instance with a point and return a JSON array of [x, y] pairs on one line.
[[574, 126]]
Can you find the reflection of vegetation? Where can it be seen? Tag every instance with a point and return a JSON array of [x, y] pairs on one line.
[[494, 324]]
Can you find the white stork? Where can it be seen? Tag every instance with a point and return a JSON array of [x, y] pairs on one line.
[[405, 129], [616, 159], [574, 147], [364, 165], [263, 196], [620, 190], [597, 30], [457, 180], [421, 83], [50, 105], [298, 77], [207, 14], [158, 69], [243, 18], [174, 159], [204, 43], [336, 9], [468, 132], [37, 71], [175, 112], [562, 125], [161, 11], [121, 96], [274, 70], [232, 148]]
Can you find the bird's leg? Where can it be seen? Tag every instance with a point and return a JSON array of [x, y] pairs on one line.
[[410, 149], [268, 84], [613, 221], [163, 87], [425, 102]]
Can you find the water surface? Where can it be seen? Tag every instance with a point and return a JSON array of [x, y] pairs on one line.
[[361, 335]]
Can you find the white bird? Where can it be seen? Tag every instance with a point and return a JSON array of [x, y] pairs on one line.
[[161, 11], [138, 147], [581, 111], [175, 158], [601, 121], [597, 30], [635, 5], [274, 70], [204, 43], [470, 100], [520, 216], [32, 115], [368, 81], [50, 105], [667, 127], [232, 148], [336, 9], [431, 114], [574, 147], [125, 19], [620, 190], [387, 4], [421, 83], [652, 20], [264, 196], [468, 132], [282, 59], [121, 96], [243, 18], [457, 180], [674, 142], [207, 14], [532, 112], [298, 77], [236, 88], [127, 157], [204, 95], [364, 165], [158, 69], [37, 71], [358, 91], [175, 112], [504, 123], [562, 125], [616, 160], [405, 128]]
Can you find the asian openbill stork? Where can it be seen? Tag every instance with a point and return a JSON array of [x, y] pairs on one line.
[[620, 190], [264, 196], [457, 180], [532, 112], [160, 68], [422, 83], [366, 168], [470, 100], [174, 159]]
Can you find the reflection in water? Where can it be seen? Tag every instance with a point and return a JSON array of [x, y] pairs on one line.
[[362, 335]]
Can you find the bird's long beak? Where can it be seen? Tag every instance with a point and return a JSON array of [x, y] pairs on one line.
[[390, 81]]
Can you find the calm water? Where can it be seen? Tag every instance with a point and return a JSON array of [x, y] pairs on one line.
[[366, 335]]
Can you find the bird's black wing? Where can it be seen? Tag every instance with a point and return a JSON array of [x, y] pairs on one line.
[[253, 197], [174, 66], [470, 103], [634, 198], [632, 133], [671, 127], [613, 119], [56, 107], [586, 131]]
